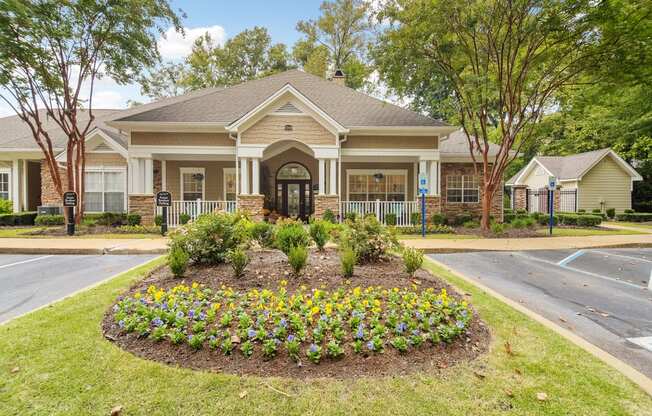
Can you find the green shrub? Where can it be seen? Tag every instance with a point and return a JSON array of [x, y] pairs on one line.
[[263, 233], [439, 219], [430, 229], [319, 233], [460, 219], [46, 220], [18, 218], [497, 228], [158, 220], [184, 218], [137, 229], [298, 258], [239, 260], [471, 224], [348, 259], [209, 238], [589, 220], [111, 219], [412, 260], [133, 219], [329, 216], [629, 211], [635, 217], [370, 239], [611, 212], [415, 218], [178, 261], [596, 211], [521, 211], [290, 233], [6, 206], [350, 216], [390, 219], [581, 211], [545, 220], [518, 223], [529, 222]]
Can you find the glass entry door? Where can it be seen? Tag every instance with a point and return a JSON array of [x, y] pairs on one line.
[[294, 198]]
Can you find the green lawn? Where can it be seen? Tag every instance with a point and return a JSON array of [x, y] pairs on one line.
[[56, 362], [582, 232], [22, 232], [645, 225], [438, 236]]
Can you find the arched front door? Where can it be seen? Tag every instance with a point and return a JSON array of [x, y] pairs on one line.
[[294, 191]]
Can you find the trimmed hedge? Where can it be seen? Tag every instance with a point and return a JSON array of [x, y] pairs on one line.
[[581, 220], [430, 229], [50, 220], [635, 217], [18, 218]]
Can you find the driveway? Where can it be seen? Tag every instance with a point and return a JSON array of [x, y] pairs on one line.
[[30, 281], [603, 295]]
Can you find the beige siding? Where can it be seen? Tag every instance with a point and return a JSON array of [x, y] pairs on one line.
[[214, 177], [271, 129], [181, 139], [537, 179], [606, 181], [105, 159], [401, 142]]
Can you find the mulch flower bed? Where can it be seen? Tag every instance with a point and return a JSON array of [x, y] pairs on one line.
[[419, 323]]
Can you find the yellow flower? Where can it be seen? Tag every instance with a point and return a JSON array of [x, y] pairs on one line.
[[137, 295], [284, 282], [376, 303], [158, 295], [309, 302], [328, 309], [217, 306], [357, 291], [315, 310]]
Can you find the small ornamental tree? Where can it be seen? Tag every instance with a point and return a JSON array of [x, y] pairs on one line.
[[53, 51], [494, 66]]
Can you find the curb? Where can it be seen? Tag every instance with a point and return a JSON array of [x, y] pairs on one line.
[[449, 250], [625, 369], [79, 251], [76, 292]]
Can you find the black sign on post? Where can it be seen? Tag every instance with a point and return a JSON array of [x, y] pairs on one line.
[[164, 200], [70, 201]]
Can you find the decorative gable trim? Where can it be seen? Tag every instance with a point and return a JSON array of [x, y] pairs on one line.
[[108, 141]]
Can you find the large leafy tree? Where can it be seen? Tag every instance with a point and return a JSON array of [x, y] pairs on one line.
[[495, 66], [338, 39], [53, 51], [248, 55]]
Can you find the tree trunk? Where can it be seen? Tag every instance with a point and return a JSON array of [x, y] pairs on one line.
[[485, 223]]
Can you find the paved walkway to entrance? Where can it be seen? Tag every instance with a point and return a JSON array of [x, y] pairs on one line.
[[82, 246], [518, 244]]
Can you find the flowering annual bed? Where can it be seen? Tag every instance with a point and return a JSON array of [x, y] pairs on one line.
[[310, 323]]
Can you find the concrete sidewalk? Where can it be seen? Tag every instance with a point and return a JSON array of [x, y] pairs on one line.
[[626, 227], [518, 244], [82, 246]]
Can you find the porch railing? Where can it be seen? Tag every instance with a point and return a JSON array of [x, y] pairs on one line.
[[195, 208], [402, 209]]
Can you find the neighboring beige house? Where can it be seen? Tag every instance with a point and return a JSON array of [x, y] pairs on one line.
[[291, 143], [592, 180]]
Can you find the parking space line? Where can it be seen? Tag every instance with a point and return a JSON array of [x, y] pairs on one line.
[[580, 271], [4, 266], [621, 255], [570, 258], [645, 342], [649, 282]]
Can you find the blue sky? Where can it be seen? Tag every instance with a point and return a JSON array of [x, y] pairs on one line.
[[222, 19]]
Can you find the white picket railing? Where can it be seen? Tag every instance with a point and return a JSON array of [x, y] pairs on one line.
[[195, 209], [402, 209]]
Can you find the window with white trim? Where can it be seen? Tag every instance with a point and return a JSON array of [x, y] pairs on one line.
[[229, 184], [192, 183], [462, 189], [370, 185], [4, 185], [104, 190]]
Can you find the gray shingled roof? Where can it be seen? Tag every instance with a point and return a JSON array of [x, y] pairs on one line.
[[567, 167], [348, 107], [457, 143], [15, 134]]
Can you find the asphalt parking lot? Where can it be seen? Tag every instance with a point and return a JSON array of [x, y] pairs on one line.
[[30, 281], [603, 295]]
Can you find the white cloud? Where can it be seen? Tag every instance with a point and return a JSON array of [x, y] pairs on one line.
[[174, 45], [108, 99]]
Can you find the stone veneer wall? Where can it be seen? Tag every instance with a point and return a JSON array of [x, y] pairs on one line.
[[143, 205], [519, 193], [158, 176], [433, 206], [325, 202], [49, 195], [453, 209], [253, 205]]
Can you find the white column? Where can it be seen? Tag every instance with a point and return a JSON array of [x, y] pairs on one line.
[[322, 176], [433, 178], [15, 184], [244, 176], [164, 175], [423, 168], [149, 176], [255, 176], [439, 178], [25, 193], [333, 177], [134, 176]]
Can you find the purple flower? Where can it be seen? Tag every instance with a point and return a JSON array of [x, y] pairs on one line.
[[464, 313], [121, 324], [290, 338], [251, 333], [266, 313], [202, 316], [283, 323], [416, 333], [116, 308], [157, 321], [190, 337], [313, 348], [401, 327], [164, 307], [418, 315], [360, 333], [460, 324], [180, 314], [370, 345], [191, 314]]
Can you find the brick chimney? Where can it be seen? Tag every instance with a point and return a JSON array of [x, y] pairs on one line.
[[338, 77]]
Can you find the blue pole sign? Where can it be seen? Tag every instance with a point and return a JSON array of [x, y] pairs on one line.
[[552, 185], [423, 190]]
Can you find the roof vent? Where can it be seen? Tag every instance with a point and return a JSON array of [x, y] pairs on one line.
[[338, 77], [288, 108]]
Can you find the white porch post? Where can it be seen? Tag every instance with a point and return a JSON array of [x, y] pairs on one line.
[[322, 176], [15, 184], [25, 193], [164, 175], [255, 176], [439, 178], [149, 176], [333, 177], [244, 176], [423, 168], [433, 188]]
